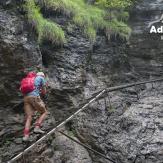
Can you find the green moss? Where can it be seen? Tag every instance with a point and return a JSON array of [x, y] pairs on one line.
[[45, 29]]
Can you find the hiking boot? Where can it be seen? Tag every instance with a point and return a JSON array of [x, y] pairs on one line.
[[26, 138], [38, 130]]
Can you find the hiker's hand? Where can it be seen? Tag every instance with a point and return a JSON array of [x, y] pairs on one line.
[[43, 91]]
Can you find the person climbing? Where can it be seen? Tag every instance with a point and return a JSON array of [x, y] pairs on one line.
[[32, 87]]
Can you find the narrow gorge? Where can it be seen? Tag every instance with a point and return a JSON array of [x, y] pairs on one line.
[[125, 125]]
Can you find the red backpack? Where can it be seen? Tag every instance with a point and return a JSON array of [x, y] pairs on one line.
[[27, 84]]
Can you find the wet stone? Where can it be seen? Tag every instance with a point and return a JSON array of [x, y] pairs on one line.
[[18, 141], [160, 115], [147, 106], [160, 127]]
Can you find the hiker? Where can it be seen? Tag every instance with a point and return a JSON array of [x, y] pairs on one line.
[[32, 87]]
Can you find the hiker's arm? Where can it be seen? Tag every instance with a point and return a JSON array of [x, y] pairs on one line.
[[43, 90]]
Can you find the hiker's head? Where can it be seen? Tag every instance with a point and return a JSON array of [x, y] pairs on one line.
[[40, 74]]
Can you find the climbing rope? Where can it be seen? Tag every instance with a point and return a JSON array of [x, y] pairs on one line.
[[111, 89]]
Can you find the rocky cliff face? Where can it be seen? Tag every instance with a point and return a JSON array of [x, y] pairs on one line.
[[127, 130], [145, 49], [131, 130], [18, 51], [125, 133]]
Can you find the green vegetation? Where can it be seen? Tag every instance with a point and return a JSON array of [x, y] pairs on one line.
[[117, 16], [111, 109], [118, 28], [44, 28], [106, 15], [114, 4]]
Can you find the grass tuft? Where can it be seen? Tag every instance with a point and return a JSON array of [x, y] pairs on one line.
[[45, 29], [118, 28], [90, 18]]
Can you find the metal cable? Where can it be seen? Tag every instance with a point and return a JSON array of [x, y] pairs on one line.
[[81, 109], [111, 89], [53, 130], [87, 147]]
